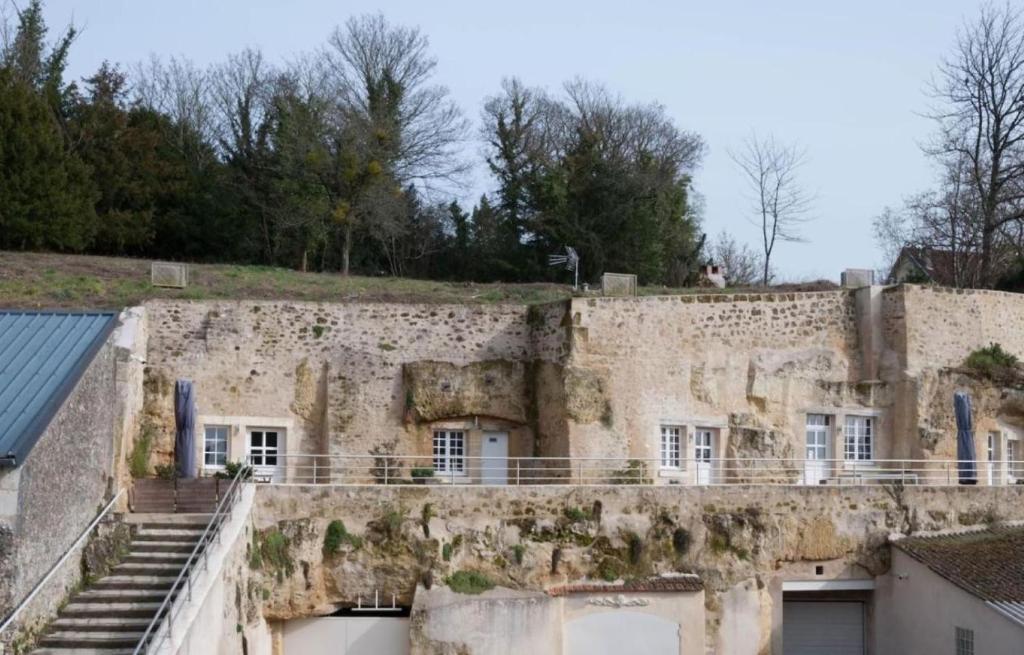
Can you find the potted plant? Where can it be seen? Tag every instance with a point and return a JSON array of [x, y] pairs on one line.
[[421, 475]]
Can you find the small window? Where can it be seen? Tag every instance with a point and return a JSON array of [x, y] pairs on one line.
[[449, 451], [858, 438], [215, 446], [702, 445], [671, 446], [818, 426], [964, 641], [263, 447]]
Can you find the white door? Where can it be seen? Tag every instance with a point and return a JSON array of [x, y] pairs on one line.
[[819, 628], [816, 454], [264, 448], [990, 466], [703, 441], [1014, 464], [494, 458]]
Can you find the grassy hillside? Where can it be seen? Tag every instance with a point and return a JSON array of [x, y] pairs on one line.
[[39, 280]]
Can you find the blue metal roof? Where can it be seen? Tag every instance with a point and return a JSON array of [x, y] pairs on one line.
[[42, 357]]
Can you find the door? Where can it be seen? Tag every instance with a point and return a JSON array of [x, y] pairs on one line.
[[264, 447], [816, 454], [494, 458], [703, 446], [990, 466], [1014, 465], [820, 627]]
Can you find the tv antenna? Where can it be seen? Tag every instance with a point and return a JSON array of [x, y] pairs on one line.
[[571, 261]]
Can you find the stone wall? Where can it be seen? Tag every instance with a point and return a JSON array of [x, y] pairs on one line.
[[750, 361], [339, 372], [742, 541], [60, 487]]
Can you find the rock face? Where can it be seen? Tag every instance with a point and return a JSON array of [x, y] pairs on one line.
[[438, 390], [742, 541]]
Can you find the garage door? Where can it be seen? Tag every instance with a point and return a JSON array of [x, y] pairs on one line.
[[822, 628]]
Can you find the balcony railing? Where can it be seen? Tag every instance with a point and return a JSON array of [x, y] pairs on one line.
[[413, 469]]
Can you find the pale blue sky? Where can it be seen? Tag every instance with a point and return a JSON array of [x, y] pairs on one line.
[[845, 79]]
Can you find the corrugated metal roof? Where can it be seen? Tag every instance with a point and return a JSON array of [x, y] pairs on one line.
[[42, 356]]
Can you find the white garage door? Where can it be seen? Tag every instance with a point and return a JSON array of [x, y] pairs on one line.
[[822, 628], [622, 631], [333, 635]]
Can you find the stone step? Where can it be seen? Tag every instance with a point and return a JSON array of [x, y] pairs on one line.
[[111, 609], [83, 651], [134, 582], [78, 639], [161, 547], [148, 568], [140, 557], [101, 624], [104, 596], [197, 526], [166, 535]]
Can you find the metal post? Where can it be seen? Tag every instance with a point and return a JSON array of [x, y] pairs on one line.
[[517, 472], [314, 468], [385, 470]]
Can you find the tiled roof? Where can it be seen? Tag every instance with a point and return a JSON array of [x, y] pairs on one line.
[[986, 563], [42, 357], [685, 582]]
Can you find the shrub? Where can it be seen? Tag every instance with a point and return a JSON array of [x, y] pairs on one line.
[[166, 471], [469, 582], [446, 552], [994, 363], [138, 461], [681, 541], [576, 514], [518, 551], [231, 469]]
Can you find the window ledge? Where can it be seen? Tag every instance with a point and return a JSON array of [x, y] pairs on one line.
[[672, 473]]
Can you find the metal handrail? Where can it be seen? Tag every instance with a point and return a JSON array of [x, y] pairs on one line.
[[396, 469], [39, 585], [185, 576]]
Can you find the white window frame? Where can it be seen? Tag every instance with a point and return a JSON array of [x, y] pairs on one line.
[[964, 638], [263, 451], [821, 430], [226, 429], [449, 451], [1014, 458], [856, 440], [672, 440]]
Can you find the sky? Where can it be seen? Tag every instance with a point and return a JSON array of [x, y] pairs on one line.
[[846, 81]]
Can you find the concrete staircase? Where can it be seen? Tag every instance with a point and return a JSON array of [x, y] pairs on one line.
[[111, 615]]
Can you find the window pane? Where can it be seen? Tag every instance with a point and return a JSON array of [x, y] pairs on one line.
[[271, 439]]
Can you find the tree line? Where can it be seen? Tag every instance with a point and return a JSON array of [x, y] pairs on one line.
[[347, 159], [974, 214]]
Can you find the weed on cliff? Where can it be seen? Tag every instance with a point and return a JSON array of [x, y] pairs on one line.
[[138, 461], [337, 535], [469, 582]]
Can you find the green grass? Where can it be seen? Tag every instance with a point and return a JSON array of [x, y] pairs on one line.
[[337, 535], [469, 582], [46, 280]]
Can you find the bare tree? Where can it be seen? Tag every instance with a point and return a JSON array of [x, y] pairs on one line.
[[182, 91], [780, 204], [404, 127], [743, 266], [979, 110]]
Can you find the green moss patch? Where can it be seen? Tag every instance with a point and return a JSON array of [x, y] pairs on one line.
[[469, 582]]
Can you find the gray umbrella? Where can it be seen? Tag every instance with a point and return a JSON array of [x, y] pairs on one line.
[[964, 439], [185, 428]]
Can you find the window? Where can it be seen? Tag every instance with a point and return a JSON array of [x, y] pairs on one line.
[[1014, 461], [817, 436], [263, 447], [857, 438], [449, 451], [671, 446], [964, 641], [215, 446]]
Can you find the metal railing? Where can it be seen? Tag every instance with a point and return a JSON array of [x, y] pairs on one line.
[[415, 469], [153, 637], [64, 558]]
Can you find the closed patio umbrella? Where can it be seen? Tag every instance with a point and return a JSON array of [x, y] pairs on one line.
[[965, 455], [185, 428]]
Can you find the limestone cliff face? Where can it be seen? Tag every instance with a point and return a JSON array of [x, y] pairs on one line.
[[532, 538]]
